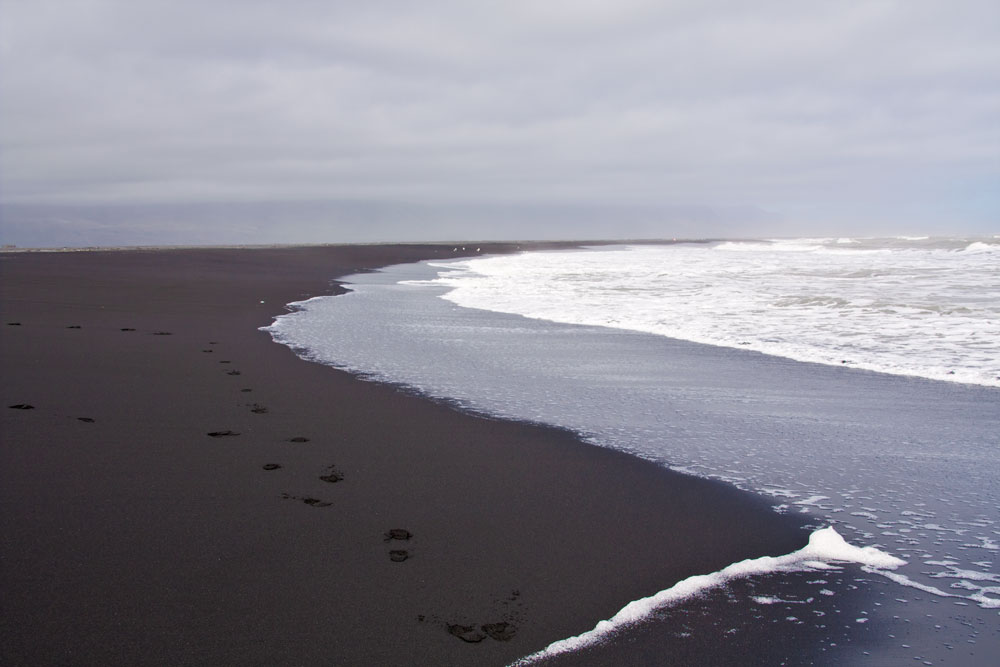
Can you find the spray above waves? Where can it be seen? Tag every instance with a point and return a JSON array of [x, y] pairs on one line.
[[919, 307]]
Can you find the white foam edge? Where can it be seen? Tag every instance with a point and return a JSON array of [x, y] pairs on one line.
[[979, 596], [825, 547]]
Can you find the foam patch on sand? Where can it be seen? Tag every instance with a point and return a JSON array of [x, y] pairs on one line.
[[825, 548]]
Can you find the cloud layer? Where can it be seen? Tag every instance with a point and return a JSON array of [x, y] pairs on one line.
[[843, 112]]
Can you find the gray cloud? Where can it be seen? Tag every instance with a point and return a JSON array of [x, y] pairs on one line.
[[827, 114]]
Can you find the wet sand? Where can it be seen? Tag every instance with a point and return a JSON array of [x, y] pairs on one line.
[[182, 490]]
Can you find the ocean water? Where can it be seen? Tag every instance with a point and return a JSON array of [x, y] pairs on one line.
[[852, 381], [910, 306]]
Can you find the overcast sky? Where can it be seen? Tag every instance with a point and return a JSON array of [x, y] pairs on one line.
[[725, 117]]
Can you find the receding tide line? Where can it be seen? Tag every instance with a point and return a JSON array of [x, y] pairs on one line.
[[825, 546]]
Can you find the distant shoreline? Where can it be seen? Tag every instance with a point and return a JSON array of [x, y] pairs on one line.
[[528, 243]]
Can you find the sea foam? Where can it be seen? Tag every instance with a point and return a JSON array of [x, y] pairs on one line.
[[825, 548], [917, 307]]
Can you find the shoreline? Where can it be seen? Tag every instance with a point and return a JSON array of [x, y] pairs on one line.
[[138, 537]]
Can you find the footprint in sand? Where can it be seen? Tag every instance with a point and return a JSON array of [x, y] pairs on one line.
[[222, 434], [22, 406], [308, 500], [501, 632], [333, 476], [467, 633], [397, 534], [398, 555]]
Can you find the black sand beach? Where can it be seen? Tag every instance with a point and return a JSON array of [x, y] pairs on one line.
[[183, 490]]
